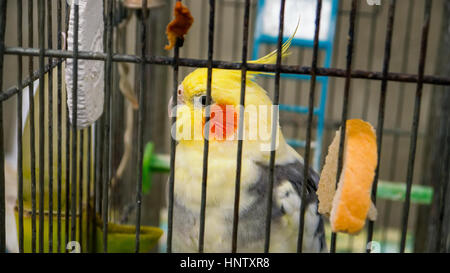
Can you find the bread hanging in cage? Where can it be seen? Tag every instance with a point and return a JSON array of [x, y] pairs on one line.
[[350, 204]]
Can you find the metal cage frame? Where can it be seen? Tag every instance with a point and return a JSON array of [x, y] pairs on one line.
[[102, 157]]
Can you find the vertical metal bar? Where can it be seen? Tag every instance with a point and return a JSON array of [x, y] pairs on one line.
[[59, 128], [212, 6], [141, 114], [107, 123], [332, 87], [96, 183], [202, 23], [73, 192], [97, 168], [415, 124], [237, 189], [372, 35], [68, 152], [185, 50], [398, 118], [41, 23], [19, 127], [99, 132], [32, 128], [88, 189], [98, 154], [2, 155], [173, 144], [441, 179], [309, 126], [98, 165], [80, 188], [236, 24], [50, 129], [442, 231], [274, 129], [68, 174], [432, 233], [219, 32], [351, 33], [112, 102], [382, 107]]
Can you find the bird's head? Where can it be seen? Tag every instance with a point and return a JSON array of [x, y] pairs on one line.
[[224, 107]]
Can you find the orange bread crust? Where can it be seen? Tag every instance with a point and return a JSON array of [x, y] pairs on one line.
[[352, 200]]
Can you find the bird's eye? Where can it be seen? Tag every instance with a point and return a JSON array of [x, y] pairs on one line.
[[200, 100], [203, 100]]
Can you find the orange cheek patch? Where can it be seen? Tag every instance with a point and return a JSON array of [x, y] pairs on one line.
[[223, 122]]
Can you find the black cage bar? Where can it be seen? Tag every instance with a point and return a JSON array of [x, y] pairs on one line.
[[94, 145]]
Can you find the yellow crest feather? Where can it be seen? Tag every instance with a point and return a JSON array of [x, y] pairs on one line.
[[271, 58], [195, 82]]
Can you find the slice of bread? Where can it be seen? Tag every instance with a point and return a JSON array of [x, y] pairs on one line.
[[350, 204]]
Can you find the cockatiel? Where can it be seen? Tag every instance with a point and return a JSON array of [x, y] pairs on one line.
[[189, 131]]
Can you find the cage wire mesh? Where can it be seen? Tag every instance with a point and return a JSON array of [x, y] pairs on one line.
[[389, 67]]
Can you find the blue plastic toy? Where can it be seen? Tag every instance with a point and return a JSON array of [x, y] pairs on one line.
[[325, 45]]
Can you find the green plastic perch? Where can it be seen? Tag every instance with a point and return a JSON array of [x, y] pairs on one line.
[[395, 191], [152, 163]]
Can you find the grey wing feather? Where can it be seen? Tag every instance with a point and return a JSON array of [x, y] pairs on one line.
[[294, 173]]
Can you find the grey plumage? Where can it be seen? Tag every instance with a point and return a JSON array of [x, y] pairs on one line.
[[294, 173], [252, 218]]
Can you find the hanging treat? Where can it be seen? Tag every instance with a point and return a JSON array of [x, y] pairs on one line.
[[179, 26], [90, 87], [350, 204]]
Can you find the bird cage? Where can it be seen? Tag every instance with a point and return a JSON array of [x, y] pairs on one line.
[[86, 152]]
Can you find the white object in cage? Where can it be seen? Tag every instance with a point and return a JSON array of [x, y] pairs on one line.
[[90, 89], [295, 9], [11, 155]]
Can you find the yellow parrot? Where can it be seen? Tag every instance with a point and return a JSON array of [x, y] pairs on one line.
[[223, 141]]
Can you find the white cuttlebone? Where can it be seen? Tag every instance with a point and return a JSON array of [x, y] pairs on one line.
[[90, 89]]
